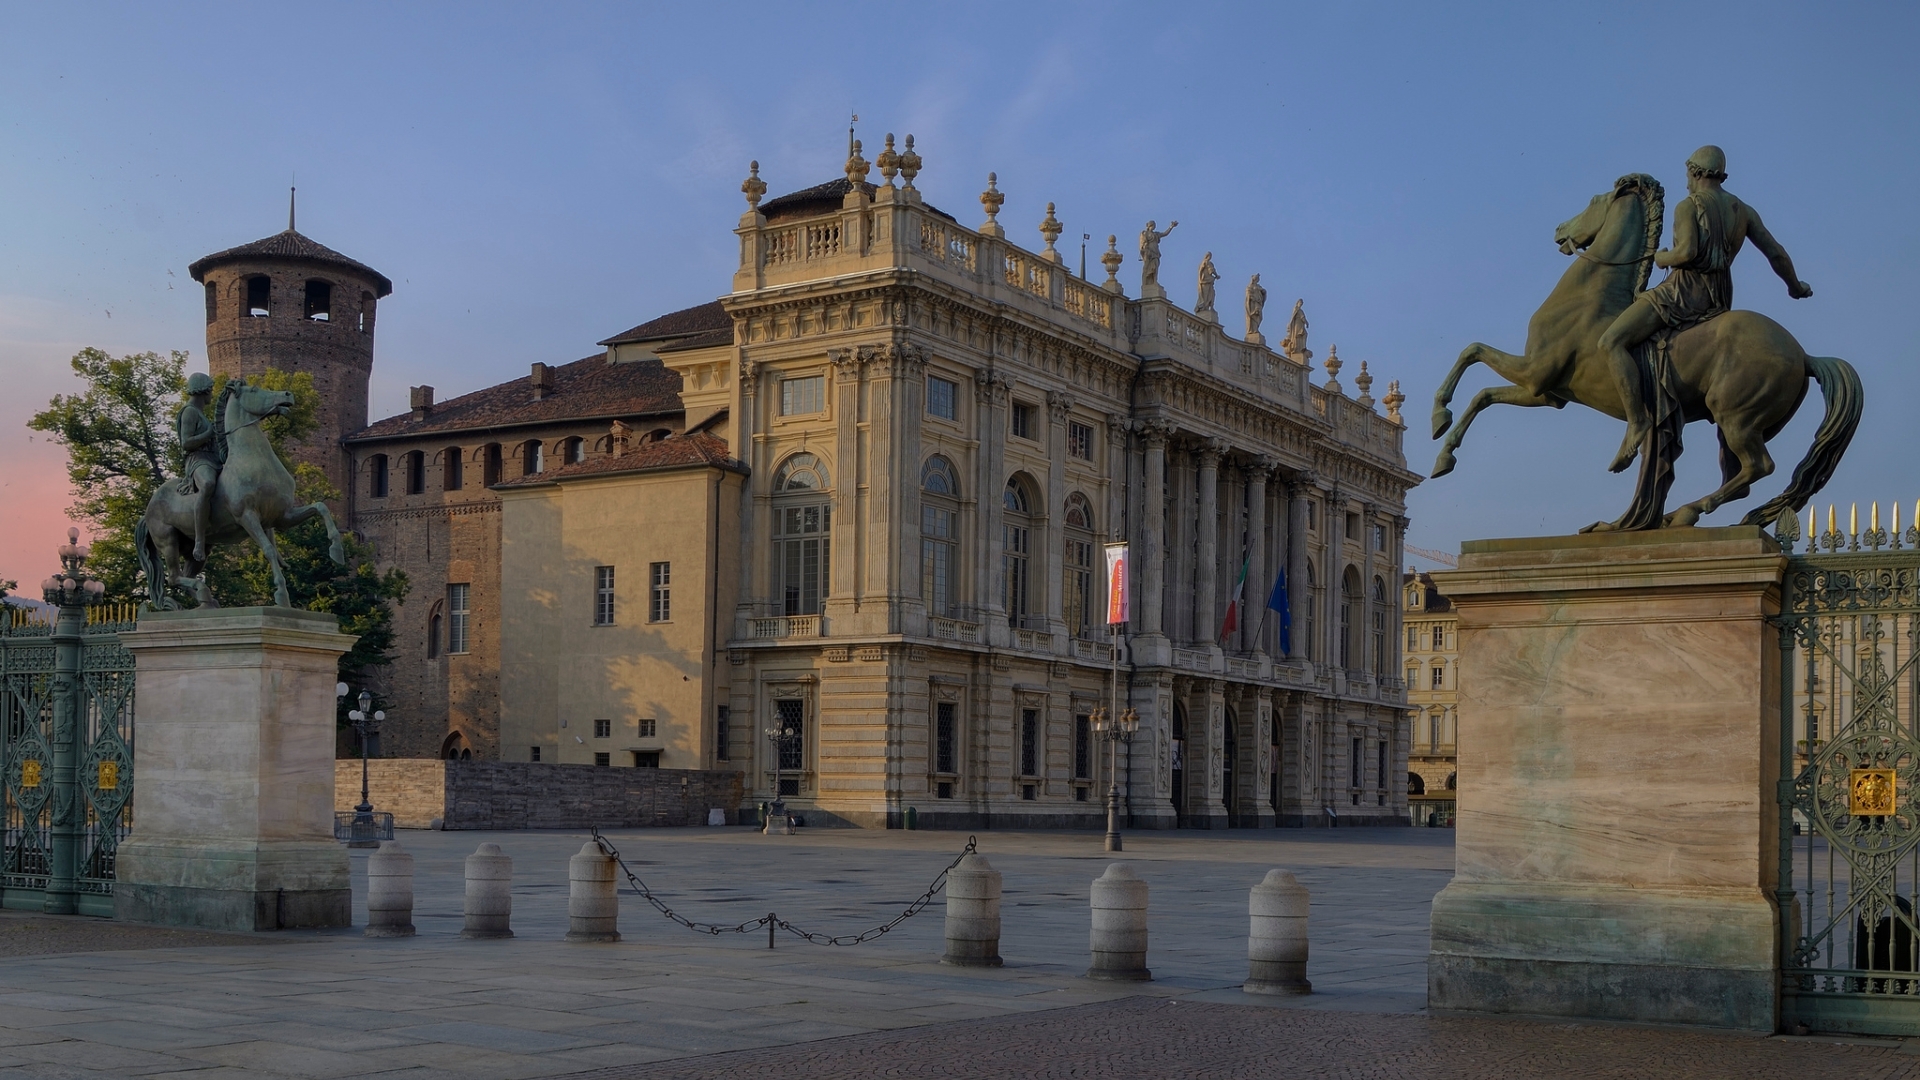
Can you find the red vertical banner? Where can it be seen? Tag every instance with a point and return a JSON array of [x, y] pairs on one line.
[[1116, 583]]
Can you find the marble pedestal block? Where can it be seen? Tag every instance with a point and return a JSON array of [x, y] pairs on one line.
[[233, 766], [1616, 846]]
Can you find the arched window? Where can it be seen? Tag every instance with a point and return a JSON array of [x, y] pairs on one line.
[[456, 748], [1349, 601], [573, 451], [802, 534], [1016, 551], [939, 536], [436, 626], [377, 476], [1377, 615], [416, 464], [451, 473], [259, 294], [1077, 588], [533, 458], [659, 433], [1416, 784], [319, 305], [490, 464]]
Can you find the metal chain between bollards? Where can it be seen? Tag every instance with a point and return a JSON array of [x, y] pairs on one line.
[[771, 920]]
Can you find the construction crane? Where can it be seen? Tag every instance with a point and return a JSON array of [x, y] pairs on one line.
[[1440, 557]]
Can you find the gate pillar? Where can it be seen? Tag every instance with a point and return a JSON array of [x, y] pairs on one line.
[[233, 815], [1619, 737]]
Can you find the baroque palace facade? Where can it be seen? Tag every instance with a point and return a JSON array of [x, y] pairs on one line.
[[862, 497]]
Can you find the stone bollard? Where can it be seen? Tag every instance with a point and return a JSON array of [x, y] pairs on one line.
[[1119, 937], [389, 892], [489, 906], [593, 901], [1277, 936], [973, 914]]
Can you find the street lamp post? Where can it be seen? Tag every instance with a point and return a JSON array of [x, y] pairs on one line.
[[1115, 731], [781, 737], [72, 591], [366, 722]]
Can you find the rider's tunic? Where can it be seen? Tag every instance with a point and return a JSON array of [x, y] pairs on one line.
[[196, 438], [1702, 288]]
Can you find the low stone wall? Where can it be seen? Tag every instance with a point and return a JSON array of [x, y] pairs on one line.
[[529, 795]]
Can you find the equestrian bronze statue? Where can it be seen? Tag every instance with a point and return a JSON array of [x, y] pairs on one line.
[[1662, 358], [235, 487]]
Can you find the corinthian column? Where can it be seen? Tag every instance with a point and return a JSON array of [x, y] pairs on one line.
[[1257, 583], [1153, 530], [1206, 620]]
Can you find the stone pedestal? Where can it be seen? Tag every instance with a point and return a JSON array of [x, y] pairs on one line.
[[1619, 711], [233, 800]]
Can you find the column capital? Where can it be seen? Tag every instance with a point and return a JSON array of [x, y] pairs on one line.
[[991, 387], [1118, 426], [749, 377], [847, 362], [1058, 406], [1210, 451], [1261, 465], [1156, 432]]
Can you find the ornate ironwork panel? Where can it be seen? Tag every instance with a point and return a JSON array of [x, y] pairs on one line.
[[1850, 790]]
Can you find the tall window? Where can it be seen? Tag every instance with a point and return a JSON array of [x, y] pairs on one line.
[[1356, 763], [259, 291], [792, 716], [660, 592], [1413, 638], [451, 469], [573, 451], [1016, 545], [1080, 441], [1439, 677], [1349, 600], [1022, 420], [944, 721], [458, 614], [799, 397], [1077, 585], [803, 523], [1439, 638], [940, 397], [377, 476], [1380, 765], [722, 733], [533, 458], [490, 464], [1377, 613], [213, 301], [436, 627], [1029, 742], [416, 472], [319, 306], [1083, 747], [603, 596], [939, 532]]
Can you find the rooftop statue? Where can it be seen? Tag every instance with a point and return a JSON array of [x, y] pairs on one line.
[[1203, 298], [233, 487], [1256, 309], [1150, 255], [1661, 358]]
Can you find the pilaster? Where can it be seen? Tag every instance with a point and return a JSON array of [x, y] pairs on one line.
[[1206, 620]]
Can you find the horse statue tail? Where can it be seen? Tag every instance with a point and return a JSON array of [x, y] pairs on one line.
[[1840, 385], [150, 564]]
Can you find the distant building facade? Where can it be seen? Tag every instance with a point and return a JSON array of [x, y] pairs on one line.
[[1433, 699]]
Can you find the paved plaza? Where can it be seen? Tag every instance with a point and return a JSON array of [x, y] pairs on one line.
[[111, 1000]]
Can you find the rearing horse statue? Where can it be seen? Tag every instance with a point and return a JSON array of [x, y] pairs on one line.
[[1740, 370], [252, 497]]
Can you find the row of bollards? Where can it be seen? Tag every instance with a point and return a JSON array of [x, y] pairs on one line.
[[1276, 910]]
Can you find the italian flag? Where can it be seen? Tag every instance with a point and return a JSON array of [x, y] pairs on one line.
[[1232, 621]]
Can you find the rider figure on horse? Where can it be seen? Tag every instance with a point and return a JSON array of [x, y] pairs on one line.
[[202, 467], [1709, 226]]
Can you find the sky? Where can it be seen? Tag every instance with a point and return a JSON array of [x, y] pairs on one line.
[[535, 178]]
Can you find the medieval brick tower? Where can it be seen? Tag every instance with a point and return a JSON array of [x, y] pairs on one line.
[[286, 302]]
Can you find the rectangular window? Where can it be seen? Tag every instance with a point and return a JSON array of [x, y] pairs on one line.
[[377, 476], [648, 727], [660, 592], [1080, 441], [943, 736], [1379, 636], [1083, 747], [603, 759], [1380, 771], [603, 729], [943, 790], [458, 615], [1022, 420], [1313, 518], [1029, 742], [721, 733], [1379, 538], [452, 469], [802, 396], [791, 715], [1353, 528], [940, 397], [646, 759], [1356, 763], [1413, 638], [603, 596], [1016, 564], [1439, 677], [416, 472], [801, 552], [1439, 638], [1077, 600], [533, 753], [936, 559]]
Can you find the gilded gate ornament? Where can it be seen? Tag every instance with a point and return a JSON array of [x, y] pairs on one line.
[[1871, 792]]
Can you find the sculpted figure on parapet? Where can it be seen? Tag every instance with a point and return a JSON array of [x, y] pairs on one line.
[[1203, 298], [1150, 254], [1256, 308], [1295, 343]]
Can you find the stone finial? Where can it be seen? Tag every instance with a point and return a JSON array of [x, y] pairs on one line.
[[754, 188], [909, 164], [992, 199], [1393, 401], [888, 161], [1112, 260], [1364, 383], [1051, 229], [857, 167], [1333, 370]]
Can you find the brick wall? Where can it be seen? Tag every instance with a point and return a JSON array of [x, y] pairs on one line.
[[527, 795]]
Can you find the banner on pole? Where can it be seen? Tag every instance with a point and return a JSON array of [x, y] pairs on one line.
[[1116, 583]]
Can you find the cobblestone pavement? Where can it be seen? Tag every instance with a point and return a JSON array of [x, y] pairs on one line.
[[1149, 1039], [26, 934]]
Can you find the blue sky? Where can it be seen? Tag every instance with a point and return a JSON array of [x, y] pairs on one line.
[[535, 178]]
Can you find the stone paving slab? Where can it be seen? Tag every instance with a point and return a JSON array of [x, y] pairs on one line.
[[27, 934], [1149, 1039]]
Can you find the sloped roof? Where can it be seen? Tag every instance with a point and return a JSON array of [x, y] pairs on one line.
[[699, 319], [699, 448], [700, 341], [1436, 602], [821, 199], [288, 245], [587, 389]]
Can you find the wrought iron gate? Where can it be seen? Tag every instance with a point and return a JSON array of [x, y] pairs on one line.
[[1850, 781], [38, 795]]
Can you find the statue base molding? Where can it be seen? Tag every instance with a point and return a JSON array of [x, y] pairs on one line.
[[233, 812], [1616, 852]]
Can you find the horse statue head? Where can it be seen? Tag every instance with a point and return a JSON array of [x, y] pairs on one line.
[[1588, 235]]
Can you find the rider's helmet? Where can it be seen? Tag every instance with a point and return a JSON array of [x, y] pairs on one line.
[[199, 383], [1710, 162]]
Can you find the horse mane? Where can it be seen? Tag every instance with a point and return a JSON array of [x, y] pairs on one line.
[[220, 418], [1653, 203]]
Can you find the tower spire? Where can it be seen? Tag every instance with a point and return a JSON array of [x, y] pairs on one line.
[[290, 193]]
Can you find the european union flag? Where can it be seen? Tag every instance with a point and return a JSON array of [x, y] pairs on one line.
[[1277, 601]]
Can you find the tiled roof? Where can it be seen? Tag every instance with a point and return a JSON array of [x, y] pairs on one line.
[[589, 389], [700, 341], [699, 448], [701, 319], [287, 245], [821, 199]]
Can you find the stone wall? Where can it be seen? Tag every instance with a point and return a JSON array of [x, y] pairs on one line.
[[528, 795]]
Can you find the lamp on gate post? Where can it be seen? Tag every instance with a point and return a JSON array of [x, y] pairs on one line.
[[72, 591], [366, 722], [782, 736], [1115, 731]]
